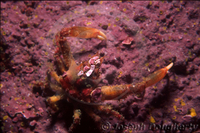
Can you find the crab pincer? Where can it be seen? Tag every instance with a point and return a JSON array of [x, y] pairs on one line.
[[121, 91], [83, 32]]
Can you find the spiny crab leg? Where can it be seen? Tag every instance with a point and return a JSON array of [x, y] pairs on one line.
[[52, 100], [77, 119], [121, 91]]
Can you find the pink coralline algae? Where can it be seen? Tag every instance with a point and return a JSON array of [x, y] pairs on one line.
[[142, 37]]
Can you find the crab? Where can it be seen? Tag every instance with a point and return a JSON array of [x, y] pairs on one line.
[[78, 84]]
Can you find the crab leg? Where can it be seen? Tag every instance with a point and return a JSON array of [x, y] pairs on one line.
[[64, 48], [60, 64], [110, 111], [77, 119], [55, 76], [121, 91], [52, 101]]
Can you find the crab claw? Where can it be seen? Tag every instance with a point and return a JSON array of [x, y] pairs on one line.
[[122, 91], [101, 36], [157, 75], [86, 32]]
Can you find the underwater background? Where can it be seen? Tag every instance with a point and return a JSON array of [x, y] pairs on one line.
[[142, 37]]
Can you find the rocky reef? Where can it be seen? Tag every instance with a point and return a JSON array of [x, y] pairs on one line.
[[142, 37]]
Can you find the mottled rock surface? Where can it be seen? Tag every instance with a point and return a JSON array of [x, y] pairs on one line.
[[143, 36]]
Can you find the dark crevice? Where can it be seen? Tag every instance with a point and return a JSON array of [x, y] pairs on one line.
[[162, 96], [5, 56]]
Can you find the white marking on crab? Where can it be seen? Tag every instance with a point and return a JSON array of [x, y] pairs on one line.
[[92, 60], [88, 73], [97, 61], [86, 68], [80, 73]]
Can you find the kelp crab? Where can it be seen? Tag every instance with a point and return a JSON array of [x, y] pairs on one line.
[[78, 84]]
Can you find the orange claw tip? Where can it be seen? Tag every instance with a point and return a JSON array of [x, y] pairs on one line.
[[101, 36], [169, 66]]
